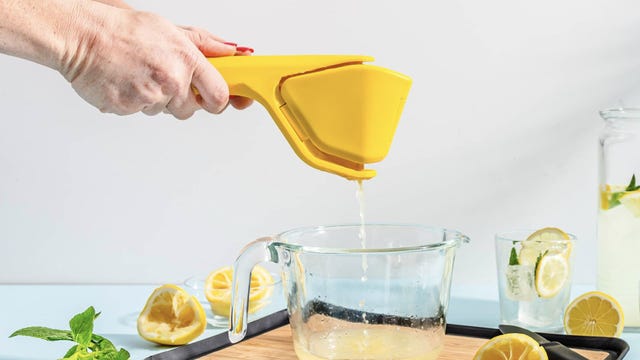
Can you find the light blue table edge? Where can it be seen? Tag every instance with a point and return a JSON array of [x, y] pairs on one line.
[[53, 305]]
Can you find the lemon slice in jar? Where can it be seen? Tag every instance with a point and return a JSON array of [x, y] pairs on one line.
[[631, 201]]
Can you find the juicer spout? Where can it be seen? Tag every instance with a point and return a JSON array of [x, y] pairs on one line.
[[337, 113]]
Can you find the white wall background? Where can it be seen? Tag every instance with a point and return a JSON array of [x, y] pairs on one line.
[[499, 131]]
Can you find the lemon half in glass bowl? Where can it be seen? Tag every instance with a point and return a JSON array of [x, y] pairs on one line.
[[214, 290]]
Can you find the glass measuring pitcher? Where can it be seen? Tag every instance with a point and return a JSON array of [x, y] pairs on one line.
[[357, 292]]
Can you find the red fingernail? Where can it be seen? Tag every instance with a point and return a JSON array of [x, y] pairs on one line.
[[244, 49], [231, 44]]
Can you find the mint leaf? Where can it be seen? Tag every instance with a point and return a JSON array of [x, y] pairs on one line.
[[113, 355], [615, 199], [99, 343], [82, 326], [632, 184], [123, 355], [513, 257], [71, 352], [44, 333], [535, 268]]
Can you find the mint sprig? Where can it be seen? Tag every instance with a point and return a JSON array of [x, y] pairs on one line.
[[89, 346], [513, 257], [632, 184], [535, 268], [615, 196]]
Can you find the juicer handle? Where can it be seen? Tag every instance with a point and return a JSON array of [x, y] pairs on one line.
[[253, 253], [258, 77]]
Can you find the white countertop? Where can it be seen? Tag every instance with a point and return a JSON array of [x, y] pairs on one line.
[[53, 306]]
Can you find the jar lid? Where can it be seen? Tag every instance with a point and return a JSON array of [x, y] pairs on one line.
[[623, 113]]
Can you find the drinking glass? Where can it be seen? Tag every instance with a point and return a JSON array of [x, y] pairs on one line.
[[534, 280]]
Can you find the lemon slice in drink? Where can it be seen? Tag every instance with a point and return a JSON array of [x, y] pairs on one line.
[[218, 289], [631, 201], [551, 275], [595, 314], [541, 241], [511, 347], [171, 316], [608, 195]]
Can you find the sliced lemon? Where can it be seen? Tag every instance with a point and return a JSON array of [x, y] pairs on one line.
[[218, 289], [551, 275], [171, 316], [595, 314], [541, 241], [529, 254], [548, 234], [605, 197], [610, 195], [511, 347], [631, 201]]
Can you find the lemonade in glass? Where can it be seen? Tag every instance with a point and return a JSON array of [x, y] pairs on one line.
[[534, 277]]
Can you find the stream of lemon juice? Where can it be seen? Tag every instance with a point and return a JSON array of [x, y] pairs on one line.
[[362, 234], [367, 341]]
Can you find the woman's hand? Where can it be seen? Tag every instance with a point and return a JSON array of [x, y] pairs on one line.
[[120, 60], [127, 61]]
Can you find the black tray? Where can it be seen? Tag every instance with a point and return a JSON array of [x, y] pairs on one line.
[[617, 348]]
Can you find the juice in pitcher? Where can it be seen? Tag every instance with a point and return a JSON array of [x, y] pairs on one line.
[[339, 339]]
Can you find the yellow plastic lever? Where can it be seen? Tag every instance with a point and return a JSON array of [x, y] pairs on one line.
[[337, 113]]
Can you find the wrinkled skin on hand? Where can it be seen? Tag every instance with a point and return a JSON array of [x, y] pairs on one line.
[[128, 61]]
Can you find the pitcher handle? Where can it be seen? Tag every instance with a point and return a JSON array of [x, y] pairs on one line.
[[253, 253]]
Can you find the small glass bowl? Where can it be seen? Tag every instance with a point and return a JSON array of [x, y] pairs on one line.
[[274, 302]]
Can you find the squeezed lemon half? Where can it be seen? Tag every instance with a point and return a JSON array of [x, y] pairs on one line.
[[511, 347], [594, 313], [171, 316], [218, 289]]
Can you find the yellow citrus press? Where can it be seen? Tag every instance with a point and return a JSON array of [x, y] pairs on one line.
[[337, 113]]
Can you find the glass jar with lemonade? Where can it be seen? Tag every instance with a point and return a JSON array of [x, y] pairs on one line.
[[619, 210]]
